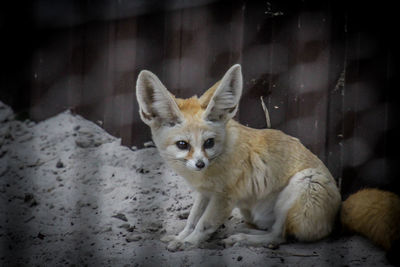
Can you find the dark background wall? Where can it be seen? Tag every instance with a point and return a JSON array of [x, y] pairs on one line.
[[326, 69]]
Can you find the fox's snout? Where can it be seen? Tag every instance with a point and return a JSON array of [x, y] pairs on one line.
[[198, 163]]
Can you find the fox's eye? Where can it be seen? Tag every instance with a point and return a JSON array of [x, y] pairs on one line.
[[183, 145], [209, 143]]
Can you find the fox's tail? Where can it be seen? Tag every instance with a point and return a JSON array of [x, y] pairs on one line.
[[374, 214]]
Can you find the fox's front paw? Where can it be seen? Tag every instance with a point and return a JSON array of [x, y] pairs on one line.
[[178, 245]]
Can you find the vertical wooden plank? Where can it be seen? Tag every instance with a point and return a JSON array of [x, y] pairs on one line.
[[96, 80], [74, 68], [56, 66], [257, 63], [149, 54], [121, 52], [36, 86], [107, 57], [236, 25], [337, 76], [310, 84], [225, 38], [194, 50], [16, 70], [173, 50], [390, 142], [56, 77], [365, 162], [125, 79]]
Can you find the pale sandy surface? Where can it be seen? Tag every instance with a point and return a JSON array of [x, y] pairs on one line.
[[70, 194]]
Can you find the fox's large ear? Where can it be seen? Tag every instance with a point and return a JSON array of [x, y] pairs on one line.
[[223, 103], [156, 104]]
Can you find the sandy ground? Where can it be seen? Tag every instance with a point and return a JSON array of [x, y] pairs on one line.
[[72, 195]]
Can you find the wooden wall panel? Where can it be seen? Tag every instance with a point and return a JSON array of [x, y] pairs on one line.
[[325, 69]]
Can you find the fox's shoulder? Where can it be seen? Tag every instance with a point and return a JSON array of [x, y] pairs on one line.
[[273, 146], [267, 137]]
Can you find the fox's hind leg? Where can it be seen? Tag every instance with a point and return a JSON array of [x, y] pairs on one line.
[[275, 236], [305, 209], [313, 214]]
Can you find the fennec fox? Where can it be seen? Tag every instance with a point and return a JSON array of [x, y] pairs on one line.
[[278, 185]]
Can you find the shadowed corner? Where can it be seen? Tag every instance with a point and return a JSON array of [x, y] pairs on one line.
[[393, 255], [15, 82]]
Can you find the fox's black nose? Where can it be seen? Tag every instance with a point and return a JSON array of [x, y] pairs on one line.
[[200, 164]]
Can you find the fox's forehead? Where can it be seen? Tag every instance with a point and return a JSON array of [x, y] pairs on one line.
[[197, 129], [193, 129], [191, 108]]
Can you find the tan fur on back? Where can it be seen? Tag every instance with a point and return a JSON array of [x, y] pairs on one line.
[[373, 213], [284, 154]]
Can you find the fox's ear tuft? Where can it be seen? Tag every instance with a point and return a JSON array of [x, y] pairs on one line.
[[224, 102], [156, 104]]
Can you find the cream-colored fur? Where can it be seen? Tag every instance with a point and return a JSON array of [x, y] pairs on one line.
[[278, 184]]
